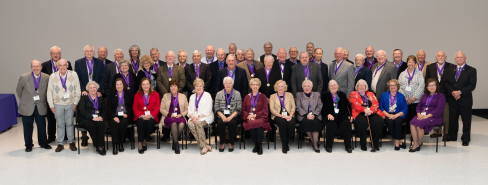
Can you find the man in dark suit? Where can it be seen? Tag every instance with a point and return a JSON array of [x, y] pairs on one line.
[[460, 83], [269, 75], [436, 71], [305, 70], [370, 59], [49, 67], [238, 74], [398, 61], [268, 49], [155, 57], [214, 69], [342, 72], [102, 55], [361, 71], [284, 66], [324, 69], [88, 69], [197, 70], [112, 69], [293, 51], [383, 71]]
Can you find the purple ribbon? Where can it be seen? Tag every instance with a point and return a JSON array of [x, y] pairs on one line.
[[156, 65], [126, 79], [399, 65], [334, 99], [148, 74], [121, 98], [357, 71], [197, 70], [410, 77], [337, 67], [250, 67], [458, 72], [170, 72], [305, 71], [440, 70], [197, 100], [227, 99], [63, 81], [38, 81], [233, 73], [117, 65], [221, 64], [282, 67], [208, 62], [311, 94], [136, 67], [254, 100], [94, 102], [175, 100], [145, 98], [55, 68], [267, 74], [421, 67], [429, 98], [282, 101], [369, 64], [393, 100], [365, 98], [378, 68]]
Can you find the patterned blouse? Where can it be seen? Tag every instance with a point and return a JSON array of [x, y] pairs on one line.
[[235, 102], [417, 85]]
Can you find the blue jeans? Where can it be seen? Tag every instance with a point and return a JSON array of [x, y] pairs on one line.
[[28, 122]]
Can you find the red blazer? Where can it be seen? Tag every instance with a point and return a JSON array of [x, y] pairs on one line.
[[357, 102], [152, 106]]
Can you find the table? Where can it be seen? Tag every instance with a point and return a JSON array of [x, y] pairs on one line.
[[9, 111]]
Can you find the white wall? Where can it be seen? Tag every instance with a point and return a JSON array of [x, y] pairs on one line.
[[29, 28]]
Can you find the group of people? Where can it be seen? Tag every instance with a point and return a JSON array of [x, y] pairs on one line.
[[232, 88]]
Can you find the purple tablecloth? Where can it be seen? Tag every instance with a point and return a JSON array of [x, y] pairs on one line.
[[9, 111]]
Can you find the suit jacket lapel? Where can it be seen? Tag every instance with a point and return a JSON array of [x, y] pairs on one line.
[[341, 68]]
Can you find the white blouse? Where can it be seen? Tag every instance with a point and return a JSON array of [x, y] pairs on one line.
[[204, 107], [417, 85]]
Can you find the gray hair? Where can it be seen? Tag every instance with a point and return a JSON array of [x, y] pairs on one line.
[[220, 49], [92, 83], [84, 48], [311, 43], [361, 81], [196, 52], [247, 50], [340, 49], [118, 49], [266, 43], [241, 50], [333, 81], [345, 49], [307, 81], [300, 54], [123, 61], [228, 78], [55, 47], [269, 57], [361, 55]]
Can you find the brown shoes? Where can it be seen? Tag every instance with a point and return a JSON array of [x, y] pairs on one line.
[[434, 135], [72, 147], [59, 148]]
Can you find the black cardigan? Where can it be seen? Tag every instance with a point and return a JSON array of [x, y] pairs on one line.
[[86, 110], [113, 102], [344, 106]]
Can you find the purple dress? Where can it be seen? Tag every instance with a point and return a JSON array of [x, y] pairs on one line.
[[436, 108], [168, 120]]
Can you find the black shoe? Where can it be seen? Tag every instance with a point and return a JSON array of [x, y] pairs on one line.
[[177, 151], [284, 150], [47, 147], [260, 152], [397, 148], [144, 148], [50, 140], [329, 150], [349, 150], [121, 147], [28, 149], [141, 151], [377, 148], [318, 145], [465, 143], [173, 146], [287, 147], [317, 151], [222, 149], [101, 152], [404, 146], [254, 150], [451, 139], [364, 148], [414, 150], [115, 149], [231, 149], [84, 142], [373, 150]]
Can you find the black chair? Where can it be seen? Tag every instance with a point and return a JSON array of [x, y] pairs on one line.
[[172, 140], [241, 135], [132, 140], [436, 140], [80, 129]]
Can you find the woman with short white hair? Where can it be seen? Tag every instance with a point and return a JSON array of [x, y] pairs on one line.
[[228, 107], [309, 108]]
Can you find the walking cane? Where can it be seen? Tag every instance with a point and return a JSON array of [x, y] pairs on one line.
[[370, 135]]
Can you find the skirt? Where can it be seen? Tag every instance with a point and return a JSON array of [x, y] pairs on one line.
[[314, 125]]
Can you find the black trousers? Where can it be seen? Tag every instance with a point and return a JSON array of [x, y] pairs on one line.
[[412, 112], [330, 130], [51, 125], [466, 113], [257, 136], [96, 130], [286, 128], [144, 129], [395, 127], [232, 126], [28, 122], [119, 130], [361, 126]]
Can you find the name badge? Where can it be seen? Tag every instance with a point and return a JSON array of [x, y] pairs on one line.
[[174, 114], [408, 88], [310, 113], [284, 113], [147, 113], [226, 111], [36, 98], [95, 115], [66, 96], [423, 113], [251, 113], [336, 110], [120, 113], [367, 108]]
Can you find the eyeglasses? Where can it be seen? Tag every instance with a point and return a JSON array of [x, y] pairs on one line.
[[431, 86], [392, 85], [254, 84]]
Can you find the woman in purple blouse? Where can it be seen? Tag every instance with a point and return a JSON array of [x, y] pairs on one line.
[[429, 113]]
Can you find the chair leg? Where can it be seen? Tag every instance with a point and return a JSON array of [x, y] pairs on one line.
[[107, 141], [405, 134], [275, 141], [78, 136], [437, 142], [268, 139], [215, 142], [240, 140], [324, 136], [158, 135]]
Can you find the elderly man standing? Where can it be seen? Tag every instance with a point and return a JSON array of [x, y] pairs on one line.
[[197, 70], [268, 49], [460, 83], [112, 69], [361, 71], [155, 57], [306, 70], [346, 56], [310, 49], [210, 55], [383, 71], [293, 51], [241, 56], [31, 90], [324, 69], [285, 67], [370, 59], [437, 72], [232, 50], [102, 55], [49, 67], [342, 72], [250, 65], [63, 94], [422, 64], [170, 72], [398, 61], [238, 74], [88, 69], [182, 57]]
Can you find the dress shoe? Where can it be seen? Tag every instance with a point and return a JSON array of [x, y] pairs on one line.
[[59, 148], [144, 148], [231, 149], [115, 149], [404, 146], [465, 143], [329, 150], [397, 148], [47, 147], [364, 148], [141, 151], [373, 150], [173, 146], [414, 150], [84, 142], [284, 150], [434, 135], [50, 140], [317, 151], [222, 149], [349, 150], [254, 150], [72, 147], [121, 147], [444, 138], [28, 149], [177, 151], [260, 151], [451, 138], [102, 151]]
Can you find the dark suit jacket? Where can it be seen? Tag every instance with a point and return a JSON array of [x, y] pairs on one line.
[[163, 78], [261, 58], [98, 73], [107, 61], [402, 68], [366, 61], [293, 62], [204, 73], [351, 62], [214, 69], [113, 102], [324, 69], [134, 86], [287, 72], [466, 83], [160, 63], [297, 77], [274, 76], [47, 67], [365, 74], [240, 81], [110, 72], [328, 105], [431, 72]]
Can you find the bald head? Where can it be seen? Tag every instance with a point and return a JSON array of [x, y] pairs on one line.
[[170, 57], [460, 58], [381, 56], [102, 53], [210, 51], [282, 55], [421, 56]]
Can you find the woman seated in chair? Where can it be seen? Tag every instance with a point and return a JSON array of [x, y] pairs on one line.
[[120, 114], [200, 114], [336, 108], [255, 115], [228, 106], [429, 113], [309, 108], [91, 116], [282, 108], [146, 112], [366, 114], [174, 107], [394, 105]]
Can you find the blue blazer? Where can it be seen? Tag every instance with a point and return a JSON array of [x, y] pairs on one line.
[[401, 103], [98, 73]]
